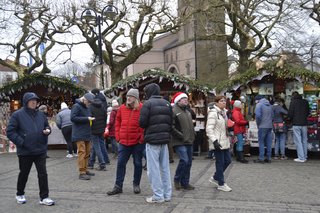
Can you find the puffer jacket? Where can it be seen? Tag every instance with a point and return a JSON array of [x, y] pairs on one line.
[[25, 129], [182, 127], [239, 121], [100, 121], [81, 130], [156, 117], [63, 118], [216, 127], [128, 131]]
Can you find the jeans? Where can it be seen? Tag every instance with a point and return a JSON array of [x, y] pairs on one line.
[[182, 174], [99, 149], [280, 139], [240, 142], [83, 155], [265, 139], [158, 171], [25, 164], [300, 139], [67, 133], [124, 153], [114, 145], [223, 160]]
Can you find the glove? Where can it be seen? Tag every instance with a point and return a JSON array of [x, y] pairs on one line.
[[216, 145]]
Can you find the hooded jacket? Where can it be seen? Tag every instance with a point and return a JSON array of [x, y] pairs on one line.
[[299, 111], [264, 114], [156, 116], [97, 111], [63, 118], [81, 130], [239, 121], [25, 129]]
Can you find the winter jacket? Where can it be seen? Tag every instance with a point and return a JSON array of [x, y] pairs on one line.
[[156, 117], [216, 127], [264, 114], [239, 121], [278, 112], [99, 123], [25, 129], [299, 111], [112, 123], [81, 130], [128, 131], [182, 127], [63, 118]]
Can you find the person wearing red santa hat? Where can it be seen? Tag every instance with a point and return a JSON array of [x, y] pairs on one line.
[[183, 135]]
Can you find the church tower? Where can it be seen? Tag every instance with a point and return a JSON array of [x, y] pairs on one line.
[[196, 55]]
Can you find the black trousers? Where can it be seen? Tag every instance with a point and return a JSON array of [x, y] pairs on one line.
[[25, 164], [67, 133]]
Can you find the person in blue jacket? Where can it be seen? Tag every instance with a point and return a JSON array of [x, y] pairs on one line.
[[28, 129]]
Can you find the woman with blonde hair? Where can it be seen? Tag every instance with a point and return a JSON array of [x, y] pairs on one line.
[[217, 133]]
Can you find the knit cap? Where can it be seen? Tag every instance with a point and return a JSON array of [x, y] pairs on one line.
[[133, 93], [89, 97], [114, 103], [237, 103], [64, 105]]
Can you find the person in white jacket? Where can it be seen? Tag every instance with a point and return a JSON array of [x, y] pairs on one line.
[[217, 133]]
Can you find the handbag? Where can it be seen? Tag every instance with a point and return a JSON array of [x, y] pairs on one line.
[[278, 127], [106, 132]]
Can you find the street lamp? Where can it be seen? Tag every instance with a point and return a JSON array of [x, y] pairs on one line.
[[109, 12]]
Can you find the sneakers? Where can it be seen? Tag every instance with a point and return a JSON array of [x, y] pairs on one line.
[[283, 157], [212, 180], [90, 173], [136, 189], [188, 187], [75, 155], [299, 161], [21, 199], [151, 200], [115, 190], [101, 168], [69, 156], [90, 167], [47, 201], [224, 188], [276, 158], [84, 177], [177, 185]]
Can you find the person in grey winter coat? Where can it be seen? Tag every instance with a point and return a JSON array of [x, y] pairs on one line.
[[28, 129], [182, 139], [264, 118], [156, 119], [64, 123]]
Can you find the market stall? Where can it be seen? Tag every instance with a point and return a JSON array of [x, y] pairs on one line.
[[274, 82], [170, 83], [51, 91]]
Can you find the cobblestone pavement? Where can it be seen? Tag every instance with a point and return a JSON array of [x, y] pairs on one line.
[[282, 186]]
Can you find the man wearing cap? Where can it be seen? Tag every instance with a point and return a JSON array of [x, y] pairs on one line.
[[81, 132], [28, 129], [129, 135], [156, 118], [264, 116], [183, 135]]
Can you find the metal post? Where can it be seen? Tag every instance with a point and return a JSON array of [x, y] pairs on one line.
[[195, 49]]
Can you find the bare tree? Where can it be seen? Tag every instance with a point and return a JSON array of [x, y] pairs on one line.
[[313, 7]]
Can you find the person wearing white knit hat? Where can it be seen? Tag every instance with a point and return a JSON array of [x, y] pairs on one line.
[[114, 103]]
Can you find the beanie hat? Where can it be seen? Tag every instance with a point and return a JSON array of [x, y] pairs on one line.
[[178, 96], [258, 97], [133, 93], [42, 107], [237, 103], [95, 91], [89, 97], [114, 103], [64, 105]]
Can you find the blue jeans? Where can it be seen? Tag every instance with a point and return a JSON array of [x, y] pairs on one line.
[[280, 139], [223, 160], [98, 149], [300, 139], [182, 175], [240, 142], [114, 145], [159, 171], [124, 153], [265, 139]]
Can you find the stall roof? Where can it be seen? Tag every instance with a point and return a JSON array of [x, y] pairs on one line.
[[289, 71], [157, 76], [35, 79]]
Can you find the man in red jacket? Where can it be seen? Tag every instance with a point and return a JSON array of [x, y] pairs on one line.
[[130, 137]]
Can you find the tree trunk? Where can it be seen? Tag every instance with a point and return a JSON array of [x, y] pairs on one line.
[[244, 62]]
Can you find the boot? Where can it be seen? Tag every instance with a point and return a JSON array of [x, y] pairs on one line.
[[241, 157]]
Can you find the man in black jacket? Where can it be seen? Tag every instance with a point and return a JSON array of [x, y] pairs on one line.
[[156, 119], [298, 113]]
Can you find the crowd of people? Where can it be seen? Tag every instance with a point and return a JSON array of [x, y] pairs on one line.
[[135, 128]]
